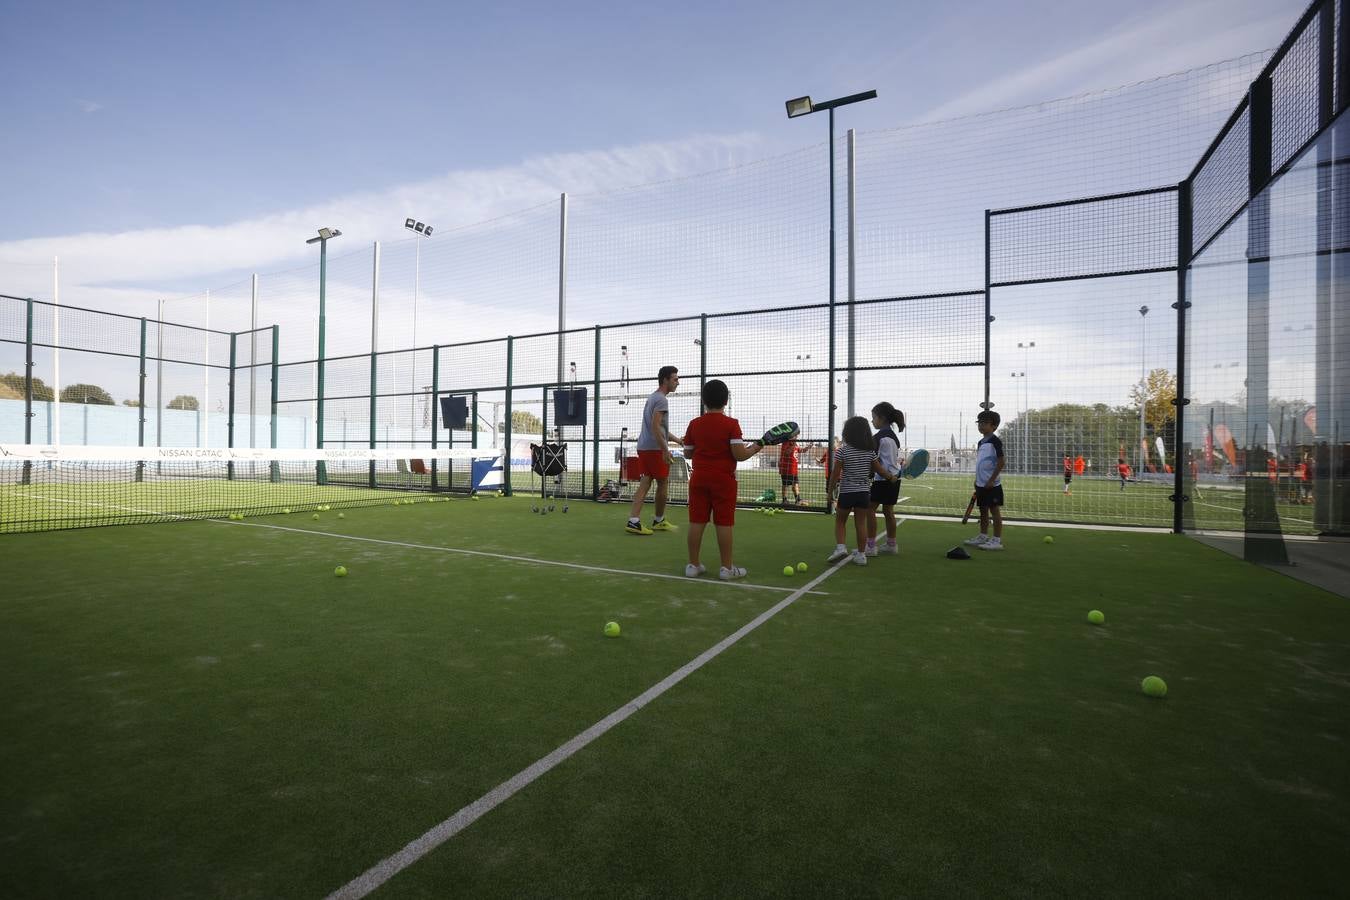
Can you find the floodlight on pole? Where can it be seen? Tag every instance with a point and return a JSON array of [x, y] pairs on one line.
[[421, 230], [325, 235], [802, 106]]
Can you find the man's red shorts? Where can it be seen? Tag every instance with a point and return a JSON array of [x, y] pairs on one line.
[[713, 497], [654, 464]]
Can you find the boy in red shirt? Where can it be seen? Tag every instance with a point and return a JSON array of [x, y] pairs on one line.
[[787, 471], [714, 444]]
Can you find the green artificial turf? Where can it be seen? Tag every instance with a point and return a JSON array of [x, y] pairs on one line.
[[76, 497], [202, 709]]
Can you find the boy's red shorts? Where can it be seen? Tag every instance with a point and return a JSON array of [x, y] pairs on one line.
[[712, 497], [654, 464]]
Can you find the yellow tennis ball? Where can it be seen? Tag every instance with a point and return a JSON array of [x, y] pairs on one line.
[[611, 629], [801, 567], [315, 517], [340, 571], [788, 570]]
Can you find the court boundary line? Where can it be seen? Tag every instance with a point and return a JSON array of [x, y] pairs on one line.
[[487, 554], [380, 873]]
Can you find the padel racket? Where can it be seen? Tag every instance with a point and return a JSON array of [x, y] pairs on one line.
[[916, 465], [779, 434], [969, 506]]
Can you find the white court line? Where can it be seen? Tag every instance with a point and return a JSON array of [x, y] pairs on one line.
[[143, 512], [1238, 509], [1031, 523], [390, 866], [526, 559]]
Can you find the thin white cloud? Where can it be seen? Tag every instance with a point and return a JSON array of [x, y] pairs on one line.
[[164, 259], [89, 106], [1133, 53]]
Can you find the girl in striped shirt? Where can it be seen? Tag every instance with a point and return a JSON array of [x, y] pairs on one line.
[[851, 472]]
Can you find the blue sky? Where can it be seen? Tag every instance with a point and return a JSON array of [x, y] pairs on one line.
[[152, 115]]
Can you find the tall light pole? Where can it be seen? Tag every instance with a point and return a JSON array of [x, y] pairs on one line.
[[325, 235], [1143, 384], [1026, 442], [802, 106], [420, 230], [1026, 347]]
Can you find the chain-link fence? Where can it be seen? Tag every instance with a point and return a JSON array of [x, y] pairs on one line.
[[1166, 348]]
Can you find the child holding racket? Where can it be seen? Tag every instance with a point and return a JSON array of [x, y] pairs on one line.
[[851, 471], [713, 441], [885, 491]]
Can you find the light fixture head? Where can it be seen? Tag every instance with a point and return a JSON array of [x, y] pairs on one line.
[[427, 233], [799, 106], [409, 223]]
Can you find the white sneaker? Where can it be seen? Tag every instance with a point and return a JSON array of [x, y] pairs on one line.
[[991, 544], [693, 571], [871, 550], [838, 554], [977, 540], [728, 574], [859, 558], [888, 549]]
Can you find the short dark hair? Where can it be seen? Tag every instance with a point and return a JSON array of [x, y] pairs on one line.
[[989, 416], [666, 372], [714, 393], [890, 414], [858, 434]]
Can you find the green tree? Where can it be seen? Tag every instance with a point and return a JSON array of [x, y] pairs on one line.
[[41, 391], [1159, 390], [86, 393], [525, 422], [131, 403], [1037, 440], [184, 401]]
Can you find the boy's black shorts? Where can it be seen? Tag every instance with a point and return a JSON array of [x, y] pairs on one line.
[[788, 480], [986, 497], [885, 493], [1068, 477]]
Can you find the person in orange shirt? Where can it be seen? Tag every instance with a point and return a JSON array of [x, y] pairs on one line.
[[788, 453]]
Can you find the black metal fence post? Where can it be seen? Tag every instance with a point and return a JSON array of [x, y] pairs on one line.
[[229, 411], [988, 316], [1181, 454], [506, 440], [28, 389], [595, 422], [435, 397]]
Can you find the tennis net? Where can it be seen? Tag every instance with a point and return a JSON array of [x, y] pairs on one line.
[[45, 487]]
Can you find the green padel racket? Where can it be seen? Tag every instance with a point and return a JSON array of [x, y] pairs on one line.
[[780, 433]]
